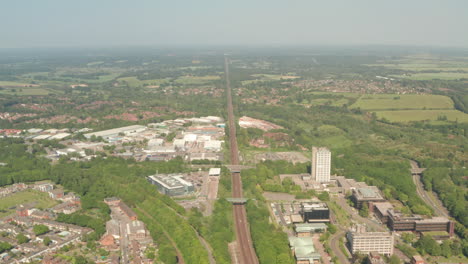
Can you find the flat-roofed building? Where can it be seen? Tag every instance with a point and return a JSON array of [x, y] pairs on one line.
[[307, 229], [296, 218], [214, 172], [417, 223], [365, 195], [381, 210], [366, 242], [303, 250], [321, 164], [315, 212], [107, 134], [171, 184], [128, 211], [136, 230], [112, 201], [213, 145]]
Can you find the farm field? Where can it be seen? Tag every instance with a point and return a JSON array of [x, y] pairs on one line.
[[197, 79], [444, 67], [135, 82], [27, 91], [403, 102], [39, 199], [269, 77], [417, 66], [431, 76], [437, 116], [14, 84]]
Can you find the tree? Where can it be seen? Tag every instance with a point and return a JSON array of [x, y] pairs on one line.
[[394, 260], [427, 244], [364, 211], [456, 248], [324, 196], [283, 258], [40, 229], [331, 228], [47, 241], [408, 237], [22, 238], [446, 249], [4, 246]]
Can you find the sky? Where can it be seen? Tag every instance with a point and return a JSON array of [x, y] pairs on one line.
[[107, 23]]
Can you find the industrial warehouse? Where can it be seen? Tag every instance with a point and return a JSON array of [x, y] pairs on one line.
[[171, 184]]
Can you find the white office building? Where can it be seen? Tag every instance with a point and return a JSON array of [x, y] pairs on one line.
[[321, 164], [366, 242]]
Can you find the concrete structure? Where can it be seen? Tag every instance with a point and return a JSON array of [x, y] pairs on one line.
[[112, 201], [44, 187], [213, 145], [365, 195], [171, 184], [303, 250], [306, 230], [381, 210], [214, 172], [136, 230], [367, 242], [128, 211], [400, 222], [59, 136], [321, 164], [107, 134], [315, 212]]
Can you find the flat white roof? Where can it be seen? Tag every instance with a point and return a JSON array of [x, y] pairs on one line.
[[214, 171], [114, 131], [60, 136], [42, 137]]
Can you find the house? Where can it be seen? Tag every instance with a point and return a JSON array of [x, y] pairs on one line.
[[23, 210], [44, 187], [128, 211], [56, 194], [417, 260], [109, 243], [112, 201]]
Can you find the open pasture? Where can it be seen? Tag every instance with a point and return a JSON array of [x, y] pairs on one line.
[[436, 116], [403, 102], [39, 199]]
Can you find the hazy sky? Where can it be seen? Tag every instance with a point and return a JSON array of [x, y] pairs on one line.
[[52, 23]]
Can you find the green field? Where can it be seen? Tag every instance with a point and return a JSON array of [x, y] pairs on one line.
[[197, 79], [269, 77], [403, 102], [418, 67], [135, 82], [39, 199], [421, 115], [14, 84], [27, 91], [432, 76]]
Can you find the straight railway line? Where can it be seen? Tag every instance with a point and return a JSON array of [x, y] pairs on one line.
[[244, 240]]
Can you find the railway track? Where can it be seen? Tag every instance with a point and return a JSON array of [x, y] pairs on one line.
[[244, 240]]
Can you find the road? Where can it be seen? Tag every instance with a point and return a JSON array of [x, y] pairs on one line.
[[335, 246], [341, 201], [244, 240], [427, 197]]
